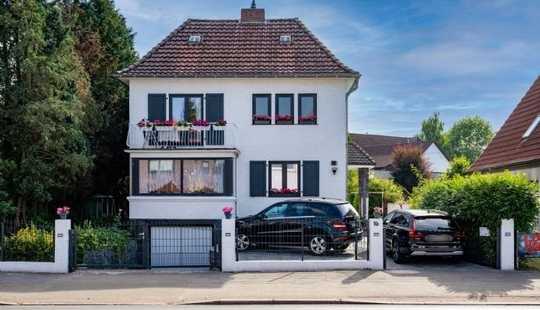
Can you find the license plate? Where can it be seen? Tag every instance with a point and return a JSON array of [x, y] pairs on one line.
[[439, 238]]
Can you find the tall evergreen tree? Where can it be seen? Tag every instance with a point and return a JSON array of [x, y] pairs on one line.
[[43, 94]]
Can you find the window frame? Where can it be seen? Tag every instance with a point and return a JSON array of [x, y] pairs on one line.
[[276, 114], [186, 99], [284, 178], [314, 96], [182, 193], [254, 109]]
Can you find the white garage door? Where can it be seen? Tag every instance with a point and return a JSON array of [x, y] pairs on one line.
[[181, 246]]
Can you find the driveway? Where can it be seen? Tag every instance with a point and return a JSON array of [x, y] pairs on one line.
[[434, 264], [297, 253]]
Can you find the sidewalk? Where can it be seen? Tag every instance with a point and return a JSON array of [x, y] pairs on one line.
[[429, 285]]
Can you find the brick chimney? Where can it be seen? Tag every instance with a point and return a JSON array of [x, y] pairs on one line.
[[252, 15]]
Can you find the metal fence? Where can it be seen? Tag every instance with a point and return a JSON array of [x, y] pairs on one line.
[[115, 246], [26, 242], [302, 238]]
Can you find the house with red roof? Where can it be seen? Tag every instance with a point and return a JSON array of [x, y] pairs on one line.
[[234, 113], [516, 146], [379, 148]]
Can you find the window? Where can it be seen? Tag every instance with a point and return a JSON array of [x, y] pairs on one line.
[[284, 109], [183, 177], [159, 176], [285, 39], [276, 211], [531, 128], [262, 114], [284, 179], [307, 109], [203, 176], [187, 108]]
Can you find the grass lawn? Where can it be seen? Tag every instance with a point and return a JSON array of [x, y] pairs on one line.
[[530, 264]]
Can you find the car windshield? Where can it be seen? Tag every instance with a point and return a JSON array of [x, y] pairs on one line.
[[434, 224]]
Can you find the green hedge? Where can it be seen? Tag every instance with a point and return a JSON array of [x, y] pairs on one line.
[[482, 200], [30, 244], [101, 245]]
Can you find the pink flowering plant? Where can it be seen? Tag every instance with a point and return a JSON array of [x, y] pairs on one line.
[[227, 211], [200, 122], [63, 212]]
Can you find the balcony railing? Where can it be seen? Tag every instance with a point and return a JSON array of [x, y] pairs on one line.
[[173, 137]]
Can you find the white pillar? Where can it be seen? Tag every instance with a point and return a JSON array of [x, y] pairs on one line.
[[507, 245], [228, 244], [376, 244]]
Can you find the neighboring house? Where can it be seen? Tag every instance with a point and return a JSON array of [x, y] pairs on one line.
[[283, 96], [516, 146], [380, 149]]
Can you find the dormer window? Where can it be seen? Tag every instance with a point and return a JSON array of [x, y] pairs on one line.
[[285, 39], [194, 39], [531, 128]]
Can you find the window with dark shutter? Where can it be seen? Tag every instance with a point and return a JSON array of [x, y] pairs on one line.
[[257, 178], [134, 176], [310, 178], [214, 107], [156, 107]]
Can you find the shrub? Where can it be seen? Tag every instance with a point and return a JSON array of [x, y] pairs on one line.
[[482, 200], [458, 167], [409, 166], [101, 245], [30, 244], [392, 191]]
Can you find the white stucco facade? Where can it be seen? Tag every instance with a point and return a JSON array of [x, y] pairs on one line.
[[324, 142]]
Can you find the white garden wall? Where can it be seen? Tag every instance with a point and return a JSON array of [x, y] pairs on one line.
[[61, 254]]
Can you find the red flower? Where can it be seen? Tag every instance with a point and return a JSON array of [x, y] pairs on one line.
[[262, 117], [200, 122], [308, 118]]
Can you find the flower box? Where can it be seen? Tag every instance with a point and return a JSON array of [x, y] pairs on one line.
[[308, 119], [262, 119], [284, 192], [284, 119]]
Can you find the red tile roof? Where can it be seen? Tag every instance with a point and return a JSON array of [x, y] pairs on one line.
[[508, 147], [231, 48]]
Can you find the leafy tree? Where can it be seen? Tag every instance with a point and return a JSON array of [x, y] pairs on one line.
[[43, 91], [468, 137], [458, 167], [409, 167], [433, 130]]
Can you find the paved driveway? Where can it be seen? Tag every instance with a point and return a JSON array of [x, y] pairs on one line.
[[434, 264], [297, 253]]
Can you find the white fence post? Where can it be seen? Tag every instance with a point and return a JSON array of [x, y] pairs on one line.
[[61, 245], [228, 245], [507, 245], [376, 244]]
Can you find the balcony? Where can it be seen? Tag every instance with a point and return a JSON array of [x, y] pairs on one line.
[[180, 137]]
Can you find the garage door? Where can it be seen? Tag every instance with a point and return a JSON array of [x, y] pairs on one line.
[[181, 246]]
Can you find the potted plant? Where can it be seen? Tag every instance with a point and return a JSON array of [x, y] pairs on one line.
[[63, 212], [200, 123], [227, 211], [221, 122], [284, 119], [308, 119], [261, 119]]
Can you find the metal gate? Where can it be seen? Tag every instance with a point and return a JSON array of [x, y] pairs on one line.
[[182, 246]]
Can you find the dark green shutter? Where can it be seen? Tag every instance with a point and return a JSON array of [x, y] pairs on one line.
[[135, 176], [214, 107], [156, 107], [228, 175], [257, 178], [310, 175]]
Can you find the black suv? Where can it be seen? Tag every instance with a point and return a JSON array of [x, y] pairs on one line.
[[319, 224], [421, 233]]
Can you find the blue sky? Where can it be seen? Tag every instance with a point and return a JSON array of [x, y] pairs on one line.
[[459, 57]]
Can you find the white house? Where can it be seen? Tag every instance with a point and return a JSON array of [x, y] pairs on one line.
[[239, 113], [380, 148]]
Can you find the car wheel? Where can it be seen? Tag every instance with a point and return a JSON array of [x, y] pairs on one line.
[[318, 245], [242, 242], [396, 255]]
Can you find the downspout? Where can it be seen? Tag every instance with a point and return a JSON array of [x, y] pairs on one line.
[[354, 86]]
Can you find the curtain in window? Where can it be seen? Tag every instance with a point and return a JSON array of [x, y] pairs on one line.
[[159, 176], [203, 176]]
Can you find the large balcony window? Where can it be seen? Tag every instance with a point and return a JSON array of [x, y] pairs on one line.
[[182, 177]]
